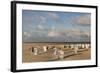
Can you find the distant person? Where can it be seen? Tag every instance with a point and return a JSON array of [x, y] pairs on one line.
[[32, 49], [47, 48]]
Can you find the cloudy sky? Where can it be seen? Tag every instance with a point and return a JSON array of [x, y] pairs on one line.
[[47, 26]]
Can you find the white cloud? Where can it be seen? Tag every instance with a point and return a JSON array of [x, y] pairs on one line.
[[26, 35], [53, 28], [57, 33], [53, 34], [74, 32], [39, 19], [83, 20], [53, 15], [42, 19], [68, 33], [40, 27], [87, 33]]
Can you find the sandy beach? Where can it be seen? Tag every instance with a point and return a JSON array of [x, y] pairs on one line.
[[28, 56]]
